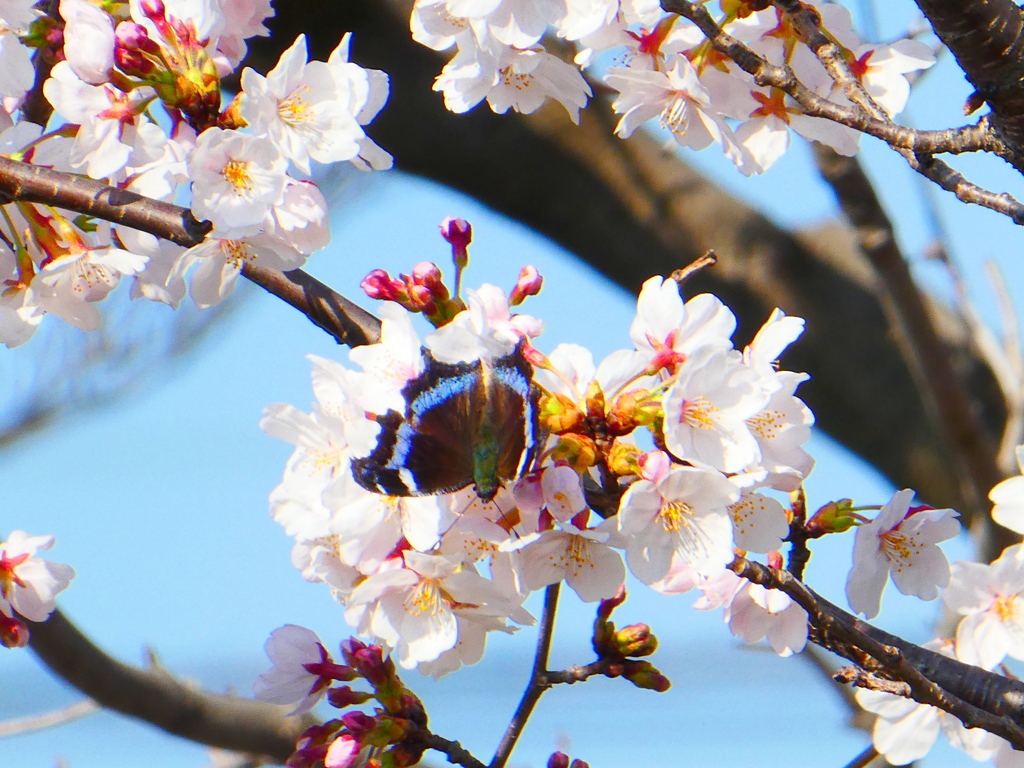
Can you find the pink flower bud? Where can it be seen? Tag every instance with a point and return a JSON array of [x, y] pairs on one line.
[[528, 284], [343, 697], [421, 299], [577, 763], [153, 9], [13, 632], [459, 234], [380, 285], [427, 273], [358, 723], [558, 760], [132, 35], [342, 753]]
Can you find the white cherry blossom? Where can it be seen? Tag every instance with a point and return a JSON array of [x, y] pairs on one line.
[[707, 408], [28, 583], [676, 511], [236, 180], [1007, 498], [299, 659], [990, 597], [904, 542]]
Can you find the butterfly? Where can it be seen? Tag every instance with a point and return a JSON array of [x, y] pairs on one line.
[[470, 423]]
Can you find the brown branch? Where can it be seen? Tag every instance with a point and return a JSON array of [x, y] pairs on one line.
[[978, 698], [916, 146], [453, 750], [971, 138], [23, 182], [346, 322], [538, 680], [987, 39], [228, 722]]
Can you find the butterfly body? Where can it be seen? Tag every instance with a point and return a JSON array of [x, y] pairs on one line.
[[470, 423]]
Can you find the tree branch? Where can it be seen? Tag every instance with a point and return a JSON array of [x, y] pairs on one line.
[[228, 722], [538, 680], [978, 698]]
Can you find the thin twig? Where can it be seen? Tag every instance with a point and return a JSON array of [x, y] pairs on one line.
[[864, 759], [539, 681], [22, 725], [916, 146]]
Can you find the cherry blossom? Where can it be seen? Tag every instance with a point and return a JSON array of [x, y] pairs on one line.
[[906, 730], [1007, 498], [29, 584], [677, 511], [904, 542], [88, 40], [666, 330], [16, 71], [991, 600], [236, 179], [302, 671], [757, 612], [707, 408], [582, 557], [677, 98]]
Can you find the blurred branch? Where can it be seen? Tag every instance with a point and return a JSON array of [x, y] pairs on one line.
[[23, 725], [65, 369], [970, 446], [227, 722]]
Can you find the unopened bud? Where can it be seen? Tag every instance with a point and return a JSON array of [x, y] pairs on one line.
[[577, 763], [642, 674], [344, 696], [459, 233], [834, 517], [343, 752], [427, 273], [358, 723], [13, 632], [380, 285], [558, 760], [624, 459], [578, 451], [559, 414], [775, 560], [152, 9], [528, 284], [635, 640]]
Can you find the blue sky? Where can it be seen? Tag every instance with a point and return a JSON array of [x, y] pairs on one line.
[[160, 503]]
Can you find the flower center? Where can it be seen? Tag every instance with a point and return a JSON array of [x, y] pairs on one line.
[[425, 598], [236, 173]]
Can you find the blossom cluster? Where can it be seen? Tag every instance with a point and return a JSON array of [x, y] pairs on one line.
[[430, 576], [664, 69], [135, 90], [28, 585], [989, 598]]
